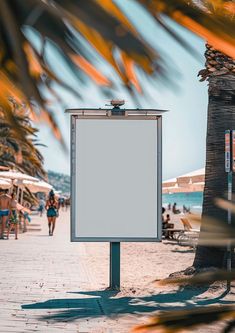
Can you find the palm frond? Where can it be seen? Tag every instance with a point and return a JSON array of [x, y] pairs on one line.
[[212, 20], [180, 320], [17, 141], [214, 233], [107, 31], [203, 278]]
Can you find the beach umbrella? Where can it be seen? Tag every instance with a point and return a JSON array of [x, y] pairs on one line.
[[17, 175], [39, 186], [169, 183], [190, 182], [189, 188], [6, 180], [5, 183], [196, 176]]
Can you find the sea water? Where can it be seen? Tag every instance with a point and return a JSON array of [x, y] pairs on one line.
[[192, 200]]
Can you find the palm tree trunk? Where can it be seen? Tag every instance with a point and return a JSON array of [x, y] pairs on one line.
[[221, 116]]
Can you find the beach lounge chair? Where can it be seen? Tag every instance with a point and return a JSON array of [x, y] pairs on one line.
[[170, 232], [187, 225], [189, 236]]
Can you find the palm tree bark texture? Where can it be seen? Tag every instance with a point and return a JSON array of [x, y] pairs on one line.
[[221, 116]]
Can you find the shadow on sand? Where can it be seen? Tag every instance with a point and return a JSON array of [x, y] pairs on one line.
[[104, 303], [185, 250]]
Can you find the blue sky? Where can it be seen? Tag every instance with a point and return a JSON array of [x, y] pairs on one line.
[[184, 126]]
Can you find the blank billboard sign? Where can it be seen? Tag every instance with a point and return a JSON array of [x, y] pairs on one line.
[[115, 180]]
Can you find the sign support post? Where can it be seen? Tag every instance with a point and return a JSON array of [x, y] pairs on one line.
[[114, 257], [114, 275]]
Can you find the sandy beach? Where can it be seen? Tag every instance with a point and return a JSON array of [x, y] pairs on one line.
[[49, 284]]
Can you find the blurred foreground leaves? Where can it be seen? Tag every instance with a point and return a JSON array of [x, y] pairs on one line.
[[203, 278], [185, 320], [84, 31], [214, 233]]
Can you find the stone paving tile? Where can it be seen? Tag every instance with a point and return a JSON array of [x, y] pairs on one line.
[[39, 274]]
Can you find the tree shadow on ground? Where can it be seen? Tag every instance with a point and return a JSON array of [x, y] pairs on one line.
[[173, 242], [185, 250], [107, 303]]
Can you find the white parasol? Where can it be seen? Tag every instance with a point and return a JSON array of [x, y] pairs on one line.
[[190, 182], [195, 187], [17, 175], [197, 176], [5, 184], [39, 186]]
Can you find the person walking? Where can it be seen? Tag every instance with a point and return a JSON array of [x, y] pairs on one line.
[[52, 208], [41, 206], [61, 202], [67, 203], [13, 219], [5, 208]]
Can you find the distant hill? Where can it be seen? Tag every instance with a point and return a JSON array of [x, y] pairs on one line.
[[59, 181]]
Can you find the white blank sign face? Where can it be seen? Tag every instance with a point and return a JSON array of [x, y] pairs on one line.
[[115, 190]]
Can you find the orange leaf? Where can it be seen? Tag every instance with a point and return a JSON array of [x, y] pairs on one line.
[[130, 71], [90, 70], [35, 67], [112, 9], [8, 89], [230, 7], [224, 45]]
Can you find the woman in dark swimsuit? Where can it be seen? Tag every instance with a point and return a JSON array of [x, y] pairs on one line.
[[52, 212]]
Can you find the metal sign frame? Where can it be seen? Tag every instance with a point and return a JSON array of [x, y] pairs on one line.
[[233, 151], [227, 151], [229, 169], [132, 114]]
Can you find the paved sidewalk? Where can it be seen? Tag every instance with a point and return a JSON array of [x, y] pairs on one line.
[[48, 284]]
